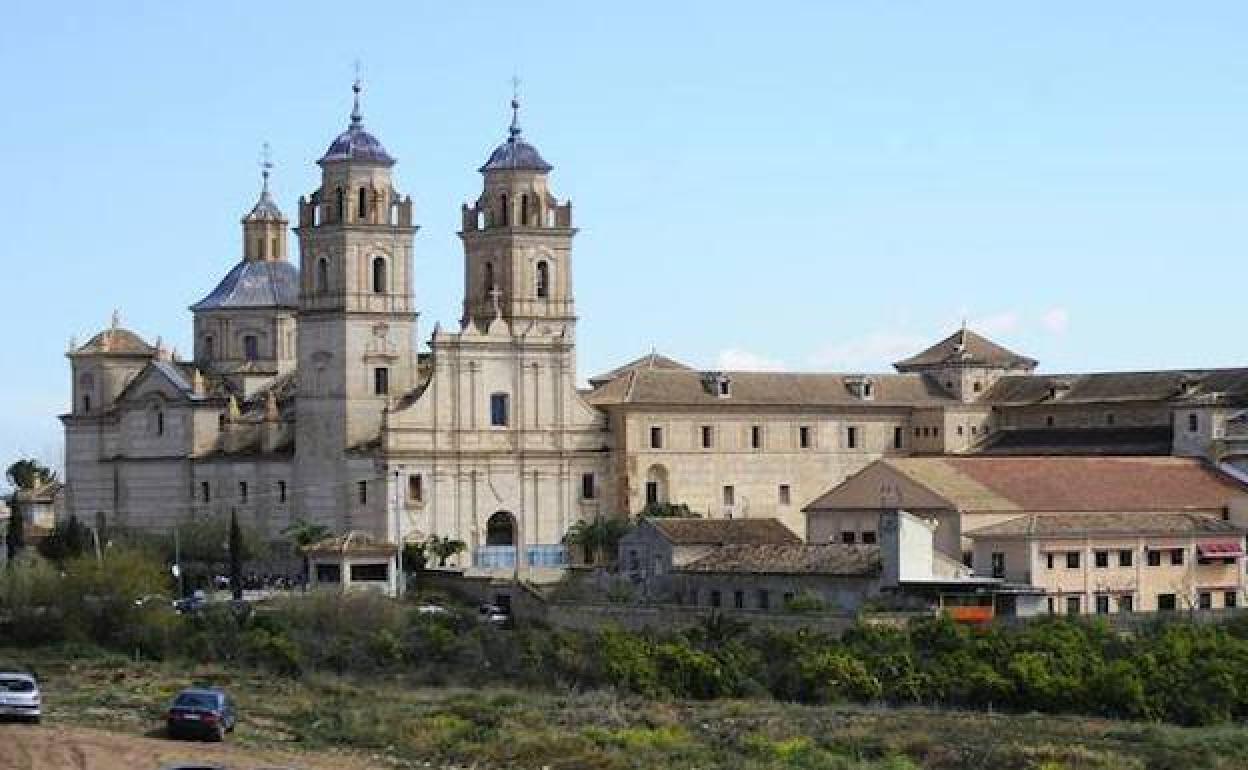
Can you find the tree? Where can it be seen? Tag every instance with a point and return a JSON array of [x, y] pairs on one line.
[[15, 536], [29, 473], [583, 534], [236, 556], [304, 533], [414, 557], [67, 540], [444, 548], [668, 511]]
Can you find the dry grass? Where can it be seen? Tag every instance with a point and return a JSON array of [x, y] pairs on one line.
[[393, 725]]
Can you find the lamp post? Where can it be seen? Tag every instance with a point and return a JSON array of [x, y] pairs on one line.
[[400, 578]]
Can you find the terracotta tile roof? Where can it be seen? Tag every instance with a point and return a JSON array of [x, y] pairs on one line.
[[117, 341], [807, 389], [1037, 484], [964, 348], [828, 559], [1129, 440], [724, 531], [1081, 524]]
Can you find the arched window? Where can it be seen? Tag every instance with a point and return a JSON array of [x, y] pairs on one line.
[[379, 275], [260, 248], [322, 275], [251, 347], [524, 209], [340, 204], [488, 284], [208, 351], [273, 251], [543, 280], [363, 207], [160, 423], [501, 529], [503, 214], [86, 403]]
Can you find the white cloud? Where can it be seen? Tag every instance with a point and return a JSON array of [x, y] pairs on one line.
[[734, 360], [874, 352], [1056, 320]]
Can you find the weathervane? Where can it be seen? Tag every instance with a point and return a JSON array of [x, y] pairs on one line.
[[266, 163]]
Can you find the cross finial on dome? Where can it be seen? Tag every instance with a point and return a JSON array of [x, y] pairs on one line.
[[266, 164], [116, 319], [515, 106], [356, 116]]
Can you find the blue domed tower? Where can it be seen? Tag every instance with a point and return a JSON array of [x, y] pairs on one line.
[[357, 324], [245, 328]]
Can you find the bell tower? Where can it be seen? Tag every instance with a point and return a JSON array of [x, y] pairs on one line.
[[517, 240], [357, 323]]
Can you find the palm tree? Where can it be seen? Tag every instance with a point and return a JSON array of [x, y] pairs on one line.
[[29, 473], [304, 533], [444, 548]]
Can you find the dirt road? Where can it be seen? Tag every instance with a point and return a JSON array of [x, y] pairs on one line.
[[58, 747]]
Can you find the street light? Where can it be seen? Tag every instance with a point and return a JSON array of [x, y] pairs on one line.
[[400, 578]]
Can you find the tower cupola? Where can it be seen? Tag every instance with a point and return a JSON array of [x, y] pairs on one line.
[[264, 227]]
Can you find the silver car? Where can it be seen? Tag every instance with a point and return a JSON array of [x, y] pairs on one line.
[[19, 696]]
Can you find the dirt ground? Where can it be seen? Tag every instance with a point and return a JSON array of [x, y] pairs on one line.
[[59, 747]]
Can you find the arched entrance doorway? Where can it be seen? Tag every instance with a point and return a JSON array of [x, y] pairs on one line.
[[501, 529], [499, 550], [656, 486]]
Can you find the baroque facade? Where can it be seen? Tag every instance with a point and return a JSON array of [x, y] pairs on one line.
[[306, 398]]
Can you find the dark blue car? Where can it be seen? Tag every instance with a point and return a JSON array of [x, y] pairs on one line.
[[206, 713]]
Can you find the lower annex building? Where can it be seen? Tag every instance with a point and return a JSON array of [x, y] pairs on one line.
[[305, 396]]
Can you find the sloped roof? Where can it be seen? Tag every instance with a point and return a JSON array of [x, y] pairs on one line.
[[1063, 484], [682, 531], [1215, 385], [1058, 525], [688, 387], [965, 348], [255, 283], [116, 340], [354, 542], [651, 360], [1125, 440], [791, 559]]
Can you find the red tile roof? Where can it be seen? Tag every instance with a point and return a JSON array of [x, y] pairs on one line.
[[681, 531]]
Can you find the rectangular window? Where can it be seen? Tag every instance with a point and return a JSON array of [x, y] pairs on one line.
[[708, 437], [281, 491], [848, 538], [1072, 605], [756, 437], [381, 381], [868, 537], [998, 564], [738, 599], [370, 573], [328, 573], [1052, 605], [1154, 558], [656, 437], [242, 491], [587, 486], [362, 491], [897, 434], [1072, 560], [715, 599], [1230, 599], [415, 488], [803, 437], [652, 493], [730, 495], [1193, 423], [1126, 603], [1102, 605], [500, 408], [1206, 600], [1048, 560], [1125, 557], [851, 437], [205, 492], [1176, 556], [784, 496], [1166, 603], [764, 599], [1101, 558]]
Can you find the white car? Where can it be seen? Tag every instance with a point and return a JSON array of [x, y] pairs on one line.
[[19, 696]]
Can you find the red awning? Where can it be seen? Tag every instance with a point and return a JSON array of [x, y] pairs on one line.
[[1220, 549]]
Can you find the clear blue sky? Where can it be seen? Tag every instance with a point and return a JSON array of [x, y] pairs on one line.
[[814, 185]]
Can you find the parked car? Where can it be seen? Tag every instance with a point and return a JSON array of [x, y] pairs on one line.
[[431, 609], [492, 613], [20, 696], [193, 603], [201, 712]]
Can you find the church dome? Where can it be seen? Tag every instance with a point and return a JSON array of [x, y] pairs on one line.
[[356, 144], [255, 283], [117, 340], [515, 154]]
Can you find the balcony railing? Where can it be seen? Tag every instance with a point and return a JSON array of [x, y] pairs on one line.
[[504, 556]]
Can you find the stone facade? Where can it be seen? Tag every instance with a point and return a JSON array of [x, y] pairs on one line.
[[306, 398]]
